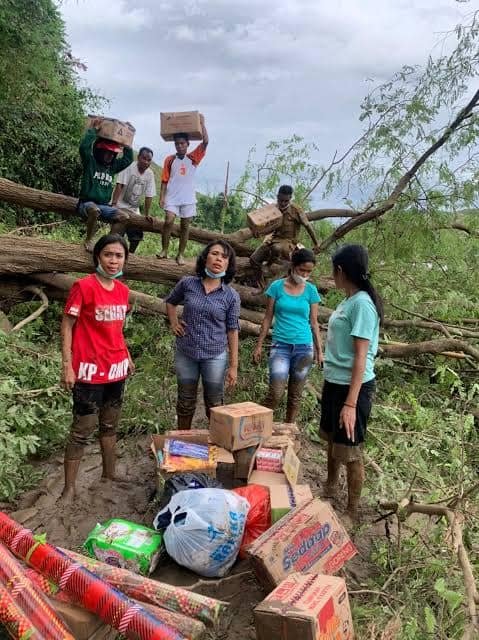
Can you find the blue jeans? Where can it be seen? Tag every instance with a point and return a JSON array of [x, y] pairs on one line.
[[188, 373], [106, 212], [289, 365]]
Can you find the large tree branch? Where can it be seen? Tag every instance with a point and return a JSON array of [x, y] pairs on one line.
[[472, 596], [376, 212]]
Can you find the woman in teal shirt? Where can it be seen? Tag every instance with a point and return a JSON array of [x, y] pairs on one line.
[[292, 307], [349, 379]]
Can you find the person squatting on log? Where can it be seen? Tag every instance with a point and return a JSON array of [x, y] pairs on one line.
[[292, 307], [178, 194], [132, 184], [207, 334], [96, 360], [100, 164], [282, 241], [349, 378]]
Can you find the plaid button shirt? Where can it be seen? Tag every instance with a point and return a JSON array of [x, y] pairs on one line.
[[208, 317]]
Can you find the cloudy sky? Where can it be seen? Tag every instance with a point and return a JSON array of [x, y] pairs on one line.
[[257, 70]]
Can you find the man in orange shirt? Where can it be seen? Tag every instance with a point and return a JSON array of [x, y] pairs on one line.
[[178, 196]]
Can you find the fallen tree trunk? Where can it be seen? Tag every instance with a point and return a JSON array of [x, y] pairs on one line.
[[23, 256], [20, 195], [57, 285]]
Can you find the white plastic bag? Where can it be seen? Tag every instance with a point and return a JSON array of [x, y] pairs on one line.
[[206, 529]]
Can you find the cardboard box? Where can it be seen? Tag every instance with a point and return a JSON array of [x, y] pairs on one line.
[[291, 466], [284, 498], [267, 478], [181, 122], [269, 459], [285, 428], [264, 220], [305, 607], [222, 469], [116, 130], [309, 538], [241, 425], [282, 442]]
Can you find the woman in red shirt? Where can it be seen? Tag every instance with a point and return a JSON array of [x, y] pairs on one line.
[[95, 357]]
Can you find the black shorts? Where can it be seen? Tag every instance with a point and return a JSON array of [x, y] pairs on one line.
[[89, 399], [332, 401]]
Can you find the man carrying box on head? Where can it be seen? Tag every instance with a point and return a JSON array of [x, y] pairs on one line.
[[178, 196], [132, 184], [100, 164], [283, 240]]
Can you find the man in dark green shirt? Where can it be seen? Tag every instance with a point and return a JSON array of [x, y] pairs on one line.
[[100, 164]]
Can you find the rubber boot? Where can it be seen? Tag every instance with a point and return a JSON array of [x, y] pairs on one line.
[[118, 228], [71, 467], [331, 486], [355, 476], [275, 393], [184, 234], [91, 225], [134, 245], [184, 422]]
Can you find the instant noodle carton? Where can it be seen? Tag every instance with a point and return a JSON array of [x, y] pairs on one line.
[[310, 538], [264, 220], [241, 425], [181, 122], [305, 607], [112, 129], [285, 497], [126, 545]]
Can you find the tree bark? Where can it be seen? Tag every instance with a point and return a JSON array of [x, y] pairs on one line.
[[22, 256], [57, 285], [20, 195]]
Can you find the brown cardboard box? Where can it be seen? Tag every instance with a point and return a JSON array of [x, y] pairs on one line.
[[267, 478], [282, 442], [222, 470], [116, 130], [284, 498], [291, 466], [181, 122], [309, 538], [285, 428], [264, 220], [241, 425], [305, 607]]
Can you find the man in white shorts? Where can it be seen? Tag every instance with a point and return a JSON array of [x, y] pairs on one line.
[[178, 193], [132, 184]]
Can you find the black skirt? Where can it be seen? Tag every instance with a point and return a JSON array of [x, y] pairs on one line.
[[332, 401]]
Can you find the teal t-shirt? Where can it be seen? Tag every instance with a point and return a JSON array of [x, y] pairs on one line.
[[355, 317], [291, 313]]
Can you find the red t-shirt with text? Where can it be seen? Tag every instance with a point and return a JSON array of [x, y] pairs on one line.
[[99, 351]]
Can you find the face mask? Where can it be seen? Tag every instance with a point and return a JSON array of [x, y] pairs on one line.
[[110, 276], [215, 276], [298, 279]]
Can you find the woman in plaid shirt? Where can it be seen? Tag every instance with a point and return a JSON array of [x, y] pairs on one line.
[[207, 333]]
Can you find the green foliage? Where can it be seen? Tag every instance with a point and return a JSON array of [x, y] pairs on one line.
[[41, 105], [213, 213]]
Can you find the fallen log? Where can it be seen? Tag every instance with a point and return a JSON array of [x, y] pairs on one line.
[[57, 285], [23, 256], [20, 195]]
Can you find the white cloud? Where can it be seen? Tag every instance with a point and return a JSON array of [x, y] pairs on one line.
[[258, 70]]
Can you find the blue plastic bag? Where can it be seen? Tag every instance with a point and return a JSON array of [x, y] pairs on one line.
[[205, 530]]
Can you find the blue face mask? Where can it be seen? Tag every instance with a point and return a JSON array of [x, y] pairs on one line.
[[215, 276], [110, 276]]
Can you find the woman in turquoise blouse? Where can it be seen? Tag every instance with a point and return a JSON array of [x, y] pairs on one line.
[[349, 378], [292, 308]]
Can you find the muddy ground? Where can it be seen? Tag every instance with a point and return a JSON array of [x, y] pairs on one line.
[[68, 526]]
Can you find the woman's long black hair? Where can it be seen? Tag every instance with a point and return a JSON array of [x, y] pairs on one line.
[[230, 253], [353, 260]]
